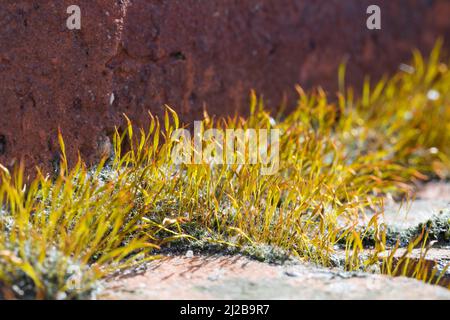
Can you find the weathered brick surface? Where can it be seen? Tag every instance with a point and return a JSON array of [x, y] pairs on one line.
[[194, 53], [50, 77], [186, 53]]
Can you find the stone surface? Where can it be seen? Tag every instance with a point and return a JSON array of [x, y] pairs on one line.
[[407, 215], [430, 200], [220, 277], [136, 55], [437, 190]]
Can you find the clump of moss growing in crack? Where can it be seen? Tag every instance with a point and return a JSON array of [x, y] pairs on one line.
[[336, 160]]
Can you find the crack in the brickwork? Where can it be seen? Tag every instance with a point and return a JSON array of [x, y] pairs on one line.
[[122, 54], [2, 144], [125, 4]]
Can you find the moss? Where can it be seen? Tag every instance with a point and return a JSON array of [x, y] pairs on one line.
[[60, 277], [208, 243], [336, 160]]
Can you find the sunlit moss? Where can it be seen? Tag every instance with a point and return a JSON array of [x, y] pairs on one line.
[[336, 162]]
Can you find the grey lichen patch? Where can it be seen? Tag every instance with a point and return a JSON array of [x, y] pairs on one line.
[[61, 277], [207, 243], [267, 253], [437, 229]]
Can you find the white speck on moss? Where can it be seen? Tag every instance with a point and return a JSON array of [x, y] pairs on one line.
[[434, 150], [189, 254], [433, 95], [407, 68]]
